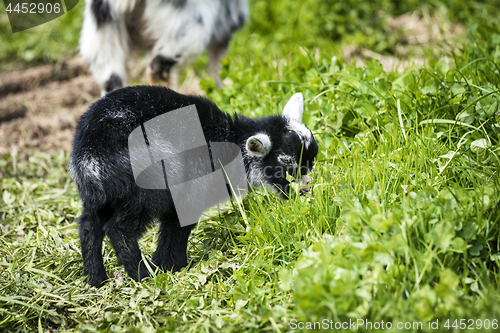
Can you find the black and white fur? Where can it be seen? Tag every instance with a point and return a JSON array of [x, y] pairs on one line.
[[175, 32], [114, 205]]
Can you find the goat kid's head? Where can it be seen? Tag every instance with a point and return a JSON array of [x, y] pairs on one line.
[[284, 146]]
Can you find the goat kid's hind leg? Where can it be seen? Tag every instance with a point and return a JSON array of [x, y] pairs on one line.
[[104, 45], [124, 239], [91, 237], [172, 245]]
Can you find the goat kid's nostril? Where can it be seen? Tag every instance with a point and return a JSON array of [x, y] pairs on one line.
[[305, 180], [304, 190]]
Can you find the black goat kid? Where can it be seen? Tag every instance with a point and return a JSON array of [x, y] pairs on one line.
[[113, 204]]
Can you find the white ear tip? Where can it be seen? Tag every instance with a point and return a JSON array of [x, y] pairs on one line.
[[297, 99], [294, 107], [298, 96]]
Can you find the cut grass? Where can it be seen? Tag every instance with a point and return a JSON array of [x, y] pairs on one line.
[[402, 224]]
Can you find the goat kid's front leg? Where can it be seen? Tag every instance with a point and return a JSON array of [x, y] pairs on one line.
[[172, 245]]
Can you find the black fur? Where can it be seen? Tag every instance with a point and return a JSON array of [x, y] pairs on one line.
[[114, 82], [284, 141], [160, 66], [178, 3], [114, 205], [199, 18], [101, 11]]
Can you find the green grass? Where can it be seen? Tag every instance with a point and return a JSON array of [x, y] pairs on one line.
[[50, 42], [402, 225]]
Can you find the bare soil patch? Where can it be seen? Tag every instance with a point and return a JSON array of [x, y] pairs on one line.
[[416, 33], [29, 79]]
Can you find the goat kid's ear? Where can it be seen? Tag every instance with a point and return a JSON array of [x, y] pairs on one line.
[[294, 108], [259, 145]]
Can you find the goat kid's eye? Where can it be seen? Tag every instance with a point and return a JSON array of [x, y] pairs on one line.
[[285, 159]]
